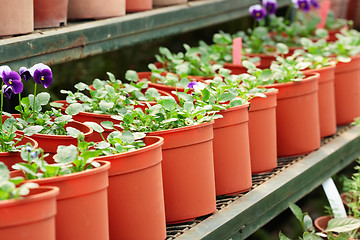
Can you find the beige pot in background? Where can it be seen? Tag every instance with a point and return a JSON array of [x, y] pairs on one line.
[[95, 9], [17, 17], [168, 2], [138, 5]]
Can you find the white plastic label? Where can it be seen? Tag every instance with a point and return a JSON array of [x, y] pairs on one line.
[[334, 198]]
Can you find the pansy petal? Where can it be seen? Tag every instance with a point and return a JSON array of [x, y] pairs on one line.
[[39, 67], [7, 90], [43, 77], [8, 78], [25, 73], [17, 87], [4, 70]]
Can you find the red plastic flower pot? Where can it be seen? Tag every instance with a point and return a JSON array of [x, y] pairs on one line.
[[136, 199], [265, 59], [82, 205], [10, 158], [50, 13], [17, 17], [232, 152], [236, 69], [138, 5], [94, 9], [31, 217], [49, 143], [165, 88], [262, 133], [347, 91], [326, 95], [297, 116], [188, 172]]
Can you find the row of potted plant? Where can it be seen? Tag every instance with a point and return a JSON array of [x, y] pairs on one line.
[[210, 138]]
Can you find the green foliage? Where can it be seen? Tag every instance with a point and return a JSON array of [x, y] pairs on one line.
[[8, 189], [344, 227]]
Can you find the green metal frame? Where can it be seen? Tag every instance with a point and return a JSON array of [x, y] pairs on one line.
[[81, 40], [250, 212]]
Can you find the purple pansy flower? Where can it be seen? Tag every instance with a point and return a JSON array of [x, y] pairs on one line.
[[25, 73], [315, 3], [270, 6], [302, 4], [11, 78], [42, 74], [257, 11], [192, 84], [7, 91]]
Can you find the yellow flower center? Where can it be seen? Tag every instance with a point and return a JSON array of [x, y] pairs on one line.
[[257, 14], [302, 5], [10, 82], [42, 78]]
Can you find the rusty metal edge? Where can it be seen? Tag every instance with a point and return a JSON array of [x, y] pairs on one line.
[[247, 214]]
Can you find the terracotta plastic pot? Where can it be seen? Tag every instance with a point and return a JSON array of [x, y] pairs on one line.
[[347, 91], [10, 158], [168, 2], [266, 59], [94, 9], [236, 69], [138, 5], [262, 133], [162, 87], [50, 13], [232, 152], [17, 17], [82, 206], [326, 95], [188, 172], [297, 116], [49, 143], [136, 199], [32, 217]]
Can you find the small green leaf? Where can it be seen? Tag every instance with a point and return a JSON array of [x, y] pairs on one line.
[[107, 124], [73, 132], [127, 137], [4, 172], [74, 109], [282, 48], [81, 86], [42, 98], [296, 211], [96, 127], [169, 103], [283, 237], [131, 75], [66, 154], [28, 131], [343, 225]]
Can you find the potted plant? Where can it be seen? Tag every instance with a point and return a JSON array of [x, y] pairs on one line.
[[28, 209], [82, 182], [231, 139], [297, 102], [325, 66], [344, 227], [135, 195], [105, 98], [10, 141], [187, 167], [45, 127], [347, 51]]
